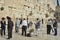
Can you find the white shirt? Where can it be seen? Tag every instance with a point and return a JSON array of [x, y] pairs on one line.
[[49, 23], [24, 22]]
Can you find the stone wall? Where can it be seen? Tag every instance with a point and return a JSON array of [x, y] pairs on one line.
[[38, 8]]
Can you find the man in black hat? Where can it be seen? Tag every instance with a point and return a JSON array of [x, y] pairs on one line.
[[3, 25], [10, 27]]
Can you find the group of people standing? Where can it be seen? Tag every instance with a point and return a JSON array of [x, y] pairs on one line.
[[25, 25], [9, 27], [23, 22], [52, 25]]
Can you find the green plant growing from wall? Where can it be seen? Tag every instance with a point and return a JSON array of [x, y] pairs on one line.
[[2, 8]]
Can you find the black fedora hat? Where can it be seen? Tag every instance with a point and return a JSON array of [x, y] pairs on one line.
[[8, 17]]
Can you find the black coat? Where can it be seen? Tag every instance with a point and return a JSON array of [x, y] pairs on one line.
[[10, 24], [3, 24], [55, 24]]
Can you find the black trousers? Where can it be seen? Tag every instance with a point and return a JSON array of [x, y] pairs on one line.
[[9, 33], [55, 31], [2, 31], [48, 29], [24, 28]]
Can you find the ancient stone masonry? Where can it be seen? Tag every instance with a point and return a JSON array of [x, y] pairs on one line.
[[32, 8]]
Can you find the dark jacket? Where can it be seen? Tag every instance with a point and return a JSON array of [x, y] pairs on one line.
[[55, 24], [3, 24], [10, 24]]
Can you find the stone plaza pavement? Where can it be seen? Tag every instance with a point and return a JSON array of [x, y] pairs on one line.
[[42, 36]]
